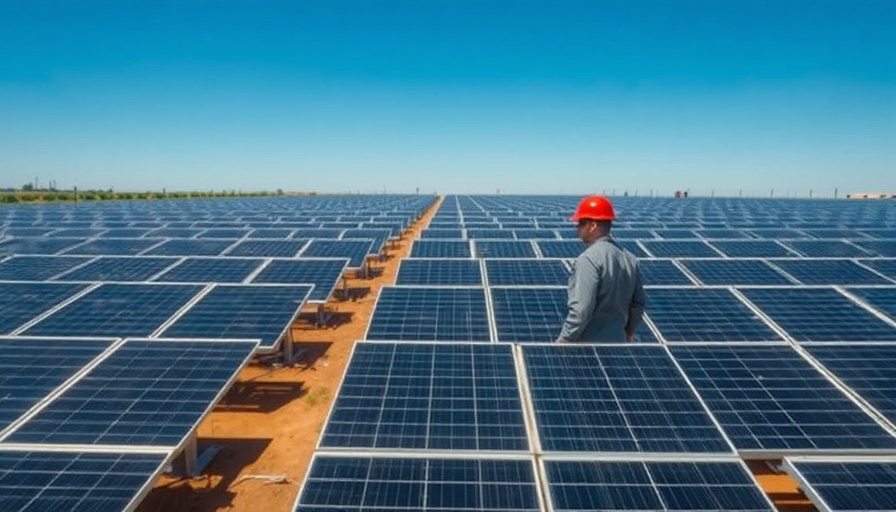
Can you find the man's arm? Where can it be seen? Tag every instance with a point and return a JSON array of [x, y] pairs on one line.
[[636, 308], [583, 285]]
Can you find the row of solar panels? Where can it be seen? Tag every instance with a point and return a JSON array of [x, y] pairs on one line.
[[608, 411], [567, 231], [89, 424], [657, 272], [267, 233]]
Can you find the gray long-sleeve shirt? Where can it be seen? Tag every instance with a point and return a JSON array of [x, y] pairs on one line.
[[606, 294]]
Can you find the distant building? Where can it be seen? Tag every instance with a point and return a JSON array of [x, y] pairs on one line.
[[870, 195]]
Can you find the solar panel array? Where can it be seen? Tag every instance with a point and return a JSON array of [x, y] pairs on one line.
[[87, 421]]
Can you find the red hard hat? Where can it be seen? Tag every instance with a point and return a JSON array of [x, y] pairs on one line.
[[594, 208]]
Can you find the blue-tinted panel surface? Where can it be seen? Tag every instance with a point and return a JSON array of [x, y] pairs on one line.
[[441, 249], [827, 248], [532, 272], [504, 249], [38, 268], [74, 481], [829, 272], [868, 370], [118, 310], [436, 397], [231, 233], [705, 314], [210, 270], [269, 248], [148, 393], [632, 247], [22, 302], [663, 272], [751, 248], [560, 248], [431, 314], [604, 398], [529, 314], [30, 369], [439, 272], [323, 273], [735, 272], [36, 245], [882, 299], [242, 312], [441, 233], [119, 269], [355, 250], [693, 486], [368, 484], [679, 249], [886, 267], [191, 247], [114, 246], [879, 247], [849, 485], [768, 398], [819, 314]]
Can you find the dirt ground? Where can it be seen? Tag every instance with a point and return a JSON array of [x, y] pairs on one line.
[[269, 422]]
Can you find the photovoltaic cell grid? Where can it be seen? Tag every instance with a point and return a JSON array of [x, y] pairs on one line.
[[868, 370], [705, 314], [323, 273], [882, 299], [837, 485], [679, 249], [662, 272], [355, 484], [652, 485], [113, 246], [30, 369], [503, 249], [260, 312], [429, 314], [438, 248], [829, 272], [560, 248], [74, 481], [268, 248], [355, 250], [526, 272], [146, 393], [885, 248], [428, 397], [43, 246], [819, 314], [735, 272], [826, 248], [625, 398], [118, 269], [632, 247], [886, 267], [438, 272], [190, 247], [38, 268], [751, 248], [117, 310], [769, 399], [21, 302], [210, 270], [529, 314]]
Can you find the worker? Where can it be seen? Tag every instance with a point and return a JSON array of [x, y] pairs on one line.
[[606, 292]]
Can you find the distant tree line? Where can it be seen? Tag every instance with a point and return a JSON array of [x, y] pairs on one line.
[[29, 194]]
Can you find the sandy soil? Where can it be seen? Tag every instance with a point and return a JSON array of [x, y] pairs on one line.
[[269, 422]]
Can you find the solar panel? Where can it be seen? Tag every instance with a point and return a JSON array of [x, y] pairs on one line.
[[632, 234], [438, 272], [229, 233], [535, 234], [355, 484], [318, 233], [529, 314], [576, 485], [819, 314], [118, 268], [770, 400], [428, 397], [22, 302], [190, 247], [241, 312], [441, 233], [829, 272], [82, 233], [616, 398], [779, 233], [269, 248], [826, 248], [751, 248], [720, 233], [271, 233], [735, 272], [210, 270], [885, 248], [705, 314], [113, 246], [378, 235], [174, 232], [355, 250], [503, 249], [868, 370], [117, 310], [486, 233], [38, 268], [663, 272], [560, 248], [674, 233], [429, 314], [437, 248], [837, 484], [323, 273], [633, 247], [886, 267], [146, 393], [28, 375], [37, 245], [75, 481], [881, 299], [526, 272], [679, 249]]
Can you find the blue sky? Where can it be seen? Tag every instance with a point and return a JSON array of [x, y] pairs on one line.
[[451, 96]]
